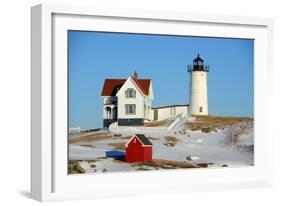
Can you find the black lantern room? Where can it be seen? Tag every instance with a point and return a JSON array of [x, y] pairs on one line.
[[198, 65]]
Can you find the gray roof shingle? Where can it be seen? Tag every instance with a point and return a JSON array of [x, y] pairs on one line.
[[143, 139]]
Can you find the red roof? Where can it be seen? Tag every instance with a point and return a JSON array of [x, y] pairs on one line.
[[111, 86], [143, 84]]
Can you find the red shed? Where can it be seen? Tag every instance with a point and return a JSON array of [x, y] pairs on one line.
[[138, 149]]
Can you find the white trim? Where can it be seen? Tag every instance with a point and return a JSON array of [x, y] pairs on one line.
[[130, 140], [42, 153], [166, 16]]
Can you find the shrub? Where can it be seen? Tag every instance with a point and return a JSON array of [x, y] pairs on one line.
[[171, 139], [78, 169], [74, 167], [206, 130]]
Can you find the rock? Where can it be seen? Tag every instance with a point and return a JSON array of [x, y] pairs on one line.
[[143, 169], [204, 165], [224, 165], [182, 132], [190, 157], [93, 166], [169, 144]]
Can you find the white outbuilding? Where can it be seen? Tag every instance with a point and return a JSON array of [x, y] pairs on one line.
[[169, 112]]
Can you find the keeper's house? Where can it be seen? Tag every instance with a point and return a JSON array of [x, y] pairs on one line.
[[129, 102]]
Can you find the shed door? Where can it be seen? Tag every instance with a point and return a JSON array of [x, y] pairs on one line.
[[156, 114]]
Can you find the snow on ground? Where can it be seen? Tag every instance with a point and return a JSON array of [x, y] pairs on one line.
[[105, 165], [187, 146], [77, 152], [209, 148]]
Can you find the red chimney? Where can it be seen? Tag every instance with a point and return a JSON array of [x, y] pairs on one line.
[[135, 75]]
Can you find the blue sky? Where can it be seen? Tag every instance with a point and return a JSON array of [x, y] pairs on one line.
[[95, 56]]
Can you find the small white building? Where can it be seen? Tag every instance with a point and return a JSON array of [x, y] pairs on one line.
[[168, 112]]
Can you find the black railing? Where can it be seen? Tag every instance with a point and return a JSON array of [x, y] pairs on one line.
[[191, 68], [110, 102]]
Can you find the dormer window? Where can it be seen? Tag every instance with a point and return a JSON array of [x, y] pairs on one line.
[[130, 93]]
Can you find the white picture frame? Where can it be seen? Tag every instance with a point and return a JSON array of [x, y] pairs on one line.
[[49, 179]]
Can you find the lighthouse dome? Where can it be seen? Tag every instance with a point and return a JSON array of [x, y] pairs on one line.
[[198, 65], [198, 59]]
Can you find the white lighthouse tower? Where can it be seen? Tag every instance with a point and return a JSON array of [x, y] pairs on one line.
[[198, 87]]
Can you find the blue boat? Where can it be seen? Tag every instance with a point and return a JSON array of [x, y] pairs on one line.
[[116, 154]]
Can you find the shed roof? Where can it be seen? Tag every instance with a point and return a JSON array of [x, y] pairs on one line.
[[143, 139], [174, 105]]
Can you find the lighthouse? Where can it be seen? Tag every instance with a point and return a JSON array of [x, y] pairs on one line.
[[198, 87]]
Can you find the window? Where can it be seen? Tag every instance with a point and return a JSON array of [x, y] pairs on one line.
[[200, 109], [130, 93], [173, 110], [130, 108]]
